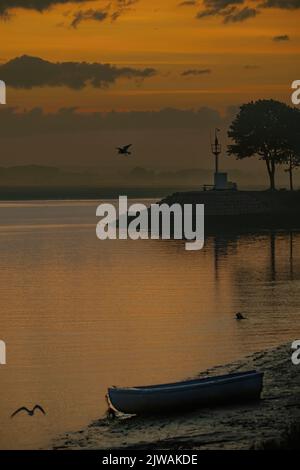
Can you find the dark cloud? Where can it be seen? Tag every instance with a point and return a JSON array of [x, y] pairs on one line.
[[188, 3], [234, 11], [236, 15], [281, 38], [28, 72], [121, 6], [160, 137], [195, 72], [87, 15], [36, 121], [217, 7], [38, 5], [113, 10], [284, 4]]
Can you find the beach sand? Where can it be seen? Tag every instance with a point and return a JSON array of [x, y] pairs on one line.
[[264, 424]]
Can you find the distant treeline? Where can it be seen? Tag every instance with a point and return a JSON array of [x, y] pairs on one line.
[[39, 175]]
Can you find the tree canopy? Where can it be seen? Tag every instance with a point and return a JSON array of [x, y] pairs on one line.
[[268, 129]]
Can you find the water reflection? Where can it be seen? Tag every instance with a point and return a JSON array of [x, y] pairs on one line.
[[79, 315]]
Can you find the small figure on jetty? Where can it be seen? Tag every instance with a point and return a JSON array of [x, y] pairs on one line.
[[29, 412], [240, 316], [124, 150]]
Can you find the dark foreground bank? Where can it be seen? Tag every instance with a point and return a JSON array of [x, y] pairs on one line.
[[249, 210], [274, 422]]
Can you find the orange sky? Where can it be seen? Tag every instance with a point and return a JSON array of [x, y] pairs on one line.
[[165, 36], [239, 61]]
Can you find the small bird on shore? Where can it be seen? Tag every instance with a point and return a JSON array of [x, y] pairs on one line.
[[29, 412], [110, 413], [124, 150], [240, 316]]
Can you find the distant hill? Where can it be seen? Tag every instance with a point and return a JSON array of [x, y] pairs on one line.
[[38, 175], [185, 177], [138, 177], [28, 173]]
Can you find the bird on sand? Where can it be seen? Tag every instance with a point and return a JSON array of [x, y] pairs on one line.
[[240, 316], [124, 150], [29, 412], [110, 413]]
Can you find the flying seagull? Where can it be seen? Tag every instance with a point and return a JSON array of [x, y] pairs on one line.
[[124, 150], [29, 412]]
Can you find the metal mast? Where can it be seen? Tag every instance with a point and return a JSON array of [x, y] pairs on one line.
[[216, 149]]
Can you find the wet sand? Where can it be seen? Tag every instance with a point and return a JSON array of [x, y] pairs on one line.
[[246, 426]]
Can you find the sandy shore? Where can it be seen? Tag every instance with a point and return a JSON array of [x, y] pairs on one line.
[[247, 426]]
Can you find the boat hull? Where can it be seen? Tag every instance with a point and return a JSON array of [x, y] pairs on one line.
[[232, 388]]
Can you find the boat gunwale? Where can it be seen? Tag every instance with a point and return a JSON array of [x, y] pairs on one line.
[[188, 385]]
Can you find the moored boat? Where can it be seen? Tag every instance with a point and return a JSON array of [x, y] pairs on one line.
[[211, 391]]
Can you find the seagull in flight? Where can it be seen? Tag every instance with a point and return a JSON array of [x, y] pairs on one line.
[[29, 412], [124, 150]]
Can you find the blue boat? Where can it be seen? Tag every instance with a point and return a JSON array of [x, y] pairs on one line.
[[175, 397]]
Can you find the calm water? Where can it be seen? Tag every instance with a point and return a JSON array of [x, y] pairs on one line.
[[79, 314]]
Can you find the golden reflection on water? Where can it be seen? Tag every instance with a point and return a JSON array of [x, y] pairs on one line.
[[79, 315]]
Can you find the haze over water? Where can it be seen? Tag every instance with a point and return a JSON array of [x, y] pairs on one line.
[[79, 314]]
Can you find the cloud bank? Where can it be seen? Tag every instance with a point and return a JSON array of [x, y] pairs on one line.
[[234, 11], [281, 38], [112, 9], [87, 15], [36, 121], [68, 136], [28, 72], [38, 5], [195, 72]]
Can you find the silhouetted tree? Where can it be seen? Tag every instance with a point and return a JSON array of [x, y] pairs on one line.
[[293, 163], [261, 129], [292, 144]]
